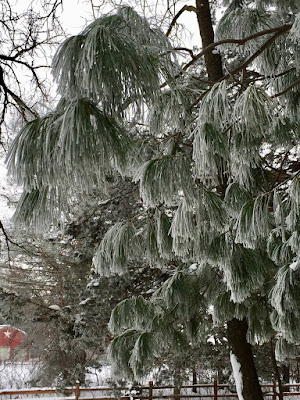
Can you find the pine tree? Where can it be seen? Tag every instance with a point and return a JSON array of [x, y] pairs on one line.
[[213, 148]]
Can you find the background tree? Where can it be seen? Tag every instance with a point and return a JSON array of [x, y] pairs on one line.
[[28, 31], [214, 153], [24, 36]]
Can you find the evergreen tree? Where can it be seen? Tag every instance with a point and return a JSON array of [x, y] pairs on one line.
[[213, 147]]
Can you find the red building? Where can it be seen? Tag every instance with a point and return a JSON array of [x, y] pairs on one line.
[[11, 348]]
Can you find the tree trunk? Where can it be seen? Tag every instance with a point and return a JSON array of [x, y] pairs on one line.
[[276, 370], [176, 392], [241, 351], [285, 370], [194, 379], [246, 379], [213, 61]]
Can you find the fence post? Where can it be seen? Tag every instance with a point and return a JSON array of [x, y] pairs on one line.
[[176, 393], [77, 390], [274, 391], [215, 390], [151, 390], [194, 380]]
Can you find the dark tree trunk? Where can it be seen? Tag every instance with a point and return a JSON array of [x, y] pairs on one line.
[[194, 379], [276, 370], [242, 350], [176, 392], [213, 61], [285, 370], [237, 330]]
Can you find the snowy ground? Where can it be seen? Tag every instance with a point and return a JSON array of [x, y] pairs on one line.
[[20, 375], [17, 375]]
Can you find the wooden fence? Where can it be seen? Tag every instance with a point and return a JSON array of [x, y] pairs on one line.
[[212, 391]]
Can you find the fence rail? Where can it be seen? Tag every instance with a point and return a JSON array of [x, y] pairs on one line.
[[214, 391]]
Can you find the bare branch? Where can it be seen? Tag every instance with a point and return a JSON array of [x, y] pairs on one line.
[[190, 51], [295, 83], [255, 55], [173, 22], [280, 30], [16, 98], [24, 35]]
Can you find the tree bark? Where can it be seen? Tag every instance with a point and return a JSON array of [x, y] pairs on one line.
[[213, 61], [285, 370], [237, 330], [194, 380], [242, 351]]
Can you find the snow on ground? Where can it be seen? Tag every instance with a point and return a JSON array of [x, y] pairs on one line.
[[99, 377], [17, 375], [20, 375]]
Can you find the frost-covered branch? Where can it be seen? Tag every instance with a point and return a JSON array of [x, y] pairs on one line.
[[291, 86], [278, 30]]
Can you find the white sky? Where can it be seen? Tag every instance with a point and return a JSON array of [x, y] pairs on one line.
[[77, 14]]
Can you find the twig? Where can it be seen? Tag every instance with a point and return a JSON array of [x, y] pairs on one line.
[[16, 98], [279, 31], [173, 22], [9, 241], [255, 55], [297, 82], [185, 49]]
